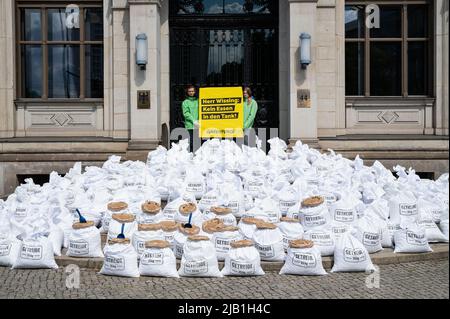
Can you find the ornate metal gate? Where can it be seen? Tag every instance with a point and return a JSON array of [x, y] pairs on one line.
[[238, 49]]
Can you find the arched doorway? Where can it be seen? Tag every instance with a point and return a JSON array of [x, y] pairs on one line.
[[225, 43]]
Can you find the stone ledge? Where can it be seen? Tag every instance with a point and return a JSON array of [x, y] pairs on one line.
[[385, 257]]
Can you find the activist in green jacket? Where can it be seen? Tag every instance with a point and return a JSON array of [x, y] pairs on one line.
[[250, 108], [190, 109]]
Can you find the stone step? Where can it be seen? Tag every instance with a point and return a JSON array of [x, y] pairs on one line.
[[387, 256]]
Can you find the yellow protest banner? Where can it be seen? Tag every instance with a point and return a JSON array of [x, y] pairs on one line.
[[221, 112]]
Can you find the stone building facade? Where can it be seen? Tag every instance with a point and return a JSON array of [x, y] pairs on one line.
[[69, 83]]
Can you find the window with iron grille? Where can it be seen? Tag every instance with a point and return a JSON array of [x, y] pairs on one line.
[[60, 49], [394, 59]]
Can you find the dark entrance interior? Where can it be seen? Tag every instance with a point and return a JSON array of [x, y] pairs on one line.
[[225, 43]]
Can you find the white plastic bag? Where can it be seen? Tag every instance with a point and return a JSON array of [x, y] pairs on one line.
[[403, 208], [314, 213], [323, 239], [268, 241], [35, 252], [432, 231], [303, 259], [120, 259], [411, 239], [122, 224], [9, 249], [242, 260], [146, 232], [222, 213], [180, 238], [158, 260], [222, 239], [199, 258], [368, 232], [351, 255], [84, 241], [291, 230]]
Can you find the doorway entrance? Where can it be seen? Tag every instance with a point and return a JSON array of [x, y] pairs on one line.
[[225, 43]]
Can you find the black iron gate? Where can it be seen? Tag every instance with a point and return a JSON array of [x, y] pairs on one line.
[[225, 50]]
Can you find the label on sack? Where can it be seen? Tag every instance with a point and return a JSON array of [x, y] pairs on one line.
[[427, 223], [241, 268], [194, 187], [208, 200], [273, 217], [371, 239], [338, 230], [148, 258], [344, 215], [169, 237], [114, 263], [222, 244], [265, 251], [285, 205], [255, 186], [140, 247], [436, 214], [354, 255], [20, 213], [33, 252], [314, 220], [178, 250], [408, 209], [305, 260], [80, 247], [330, 198], [322, 239], [196, 267], [227, 219], [234, 206], [415, 239], [5, 249], [314, 182], [170, 213]]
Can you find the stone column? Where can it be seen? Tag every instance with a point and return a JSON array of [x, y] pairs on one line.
[[145, 123], [7, 68], [121, 73], [303, 121], [441, 74]]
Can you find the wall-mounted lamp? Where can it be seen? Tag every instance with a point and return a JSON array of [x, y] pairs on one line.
[[305, 50], [141, 50]]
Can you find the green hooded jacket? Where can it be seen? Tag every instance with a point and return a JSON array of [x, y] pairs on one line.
[[190, 112], [250, 113]]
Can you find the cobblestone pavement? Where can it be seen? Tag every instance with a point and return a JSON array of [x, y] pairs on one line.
[[426, 279]]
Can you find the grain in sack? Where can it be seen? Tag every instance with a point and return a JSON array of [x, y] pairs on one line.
[[145, 233], [84, 241], [313, 213], [222, 239], [268, 241], [120, 259], [158, 260], [182, 215], [247, 226], [242, 260], [304, 259], [223, 213], [122, 223], [180, 238], [112, 208], [150, 213], [199, 258]]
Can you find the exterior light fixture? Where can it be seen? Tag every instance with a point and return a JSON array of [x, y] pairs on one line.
[[305, 50], [141, 50]]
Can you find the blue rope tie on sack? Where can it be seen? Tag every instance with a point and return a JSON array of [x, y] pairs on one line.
[[188, 225]]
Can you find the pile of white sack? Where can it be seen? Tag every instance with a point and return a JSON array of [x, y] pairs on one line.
[[341, 207]]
